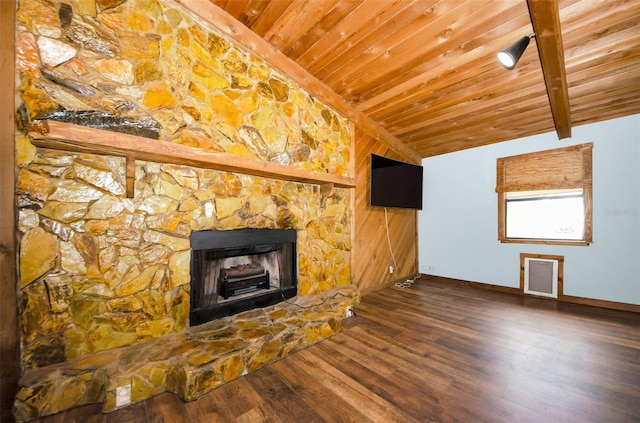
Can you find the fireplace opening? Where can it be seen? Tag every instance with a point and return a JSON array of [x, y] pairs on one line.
[[238, 270]]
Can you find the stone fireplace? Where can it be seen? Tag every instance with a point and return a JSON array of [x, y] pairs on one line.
[[238, 270], [107, 243]]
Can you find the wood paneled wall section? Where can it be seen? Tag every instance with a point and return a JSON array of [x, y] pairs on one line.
[[371, 258], [9, 362]]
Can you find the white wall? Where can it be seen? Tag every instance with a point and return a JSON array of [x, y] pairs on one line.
[[458, 226]]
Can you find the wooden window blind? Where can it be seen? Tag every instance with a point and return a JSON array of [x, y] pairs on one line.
[[561, 168]]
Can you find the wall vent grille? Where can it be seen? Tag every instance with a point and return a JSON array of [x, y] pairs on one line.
[[541, 277]]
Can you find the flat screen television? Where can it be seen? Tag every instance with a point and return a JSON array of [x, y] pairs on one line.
[[395, 184]]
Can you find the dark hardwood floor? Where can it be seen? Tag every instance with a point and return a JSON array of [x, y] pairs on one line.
[[434, 352]]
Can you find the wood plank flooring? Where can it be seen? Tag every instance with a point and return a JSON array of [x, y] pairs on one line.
[[434, 352]]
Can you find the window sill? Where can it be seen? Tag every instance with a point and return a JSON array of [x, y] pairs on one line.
[[544, 241]]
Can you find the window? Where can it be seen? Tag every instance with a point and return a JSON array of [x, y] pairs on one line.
[[545, 197], [552, 214]]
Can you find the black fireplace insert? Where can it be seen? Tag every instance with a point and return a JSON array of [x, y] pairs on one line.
[[238, 270]]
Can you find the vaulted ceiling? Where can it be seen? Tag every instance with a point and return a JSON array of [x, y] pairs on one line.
[[425, 71]]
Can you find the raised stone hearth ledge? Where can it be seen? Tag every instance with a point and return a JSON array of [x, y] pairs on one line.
[[190, 363]]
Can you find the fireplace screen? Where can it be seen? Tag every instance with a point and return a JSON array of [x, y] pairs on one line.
[[237, 270]]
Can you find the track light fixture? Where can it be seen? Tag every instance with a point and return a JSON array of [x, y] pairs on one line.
[[510, 55]]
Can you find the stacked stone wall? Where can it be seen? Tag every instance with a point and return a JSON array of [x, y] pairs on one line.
[[100, 271]]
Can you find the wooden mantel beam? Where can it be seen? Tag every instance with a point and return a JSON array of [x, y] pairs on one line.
[[70, 137], [220, 20], [545, 19]]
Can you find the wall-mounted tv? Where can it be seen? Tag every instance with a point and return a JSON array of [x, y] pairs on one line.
[[395, 184]]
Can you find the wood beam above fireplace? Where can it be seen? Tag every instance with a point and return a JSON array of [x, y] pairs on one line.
[[76, 138]]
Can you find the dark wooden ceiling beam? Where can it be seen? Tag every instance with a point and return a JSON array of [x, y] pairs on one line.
[[545, 19]]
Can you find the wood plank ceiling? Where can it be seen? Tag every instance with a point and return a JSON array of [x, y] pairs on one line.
[[426, 70]]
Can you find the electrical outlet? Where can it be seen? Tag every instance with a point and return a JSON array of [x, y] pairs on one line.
[[427, 268], [391, 269], [349, 312], [123, 395]]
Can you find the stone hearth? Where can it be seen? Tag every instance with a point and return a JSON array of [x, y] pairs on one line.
[[190, 363]]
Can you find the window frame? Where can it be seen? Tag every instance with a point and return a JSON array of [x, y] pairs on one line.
[[561, 168]]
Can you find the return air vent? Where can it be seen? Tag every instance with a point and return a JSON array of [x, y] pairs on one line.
[[541, 275]]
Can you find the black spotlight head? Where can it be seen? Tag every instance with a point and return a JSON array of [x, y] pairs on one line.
[[510, 55]]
